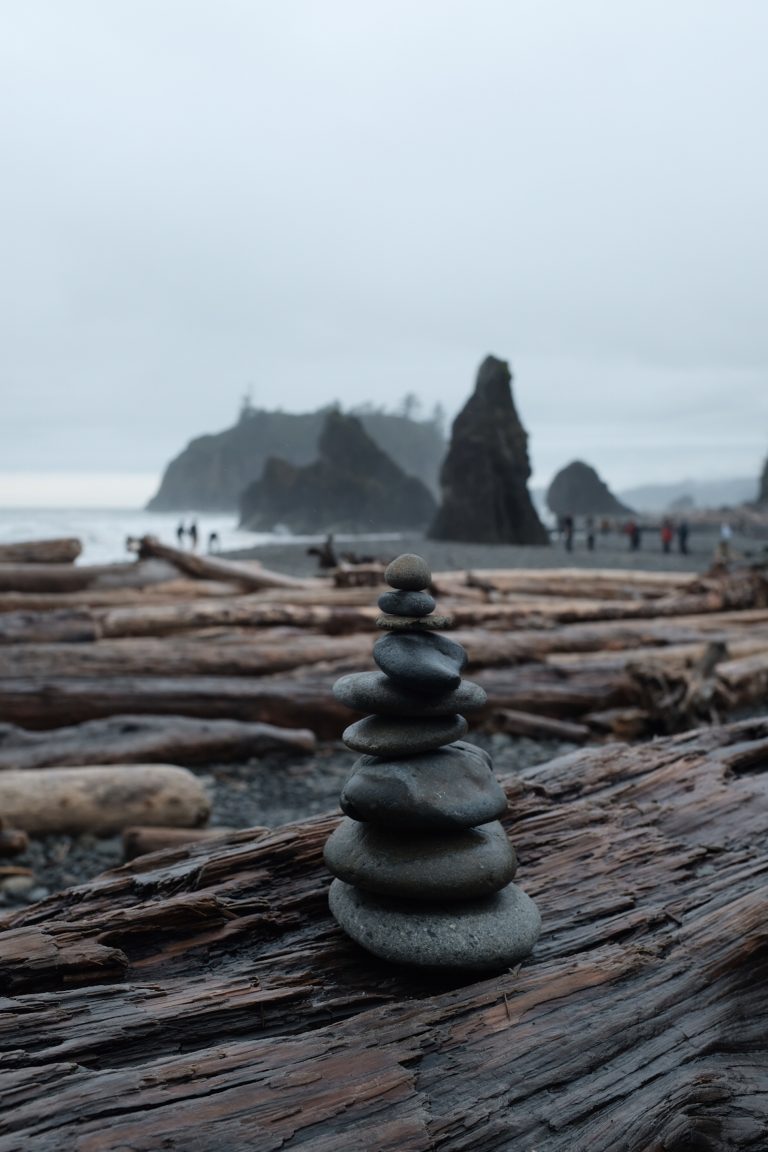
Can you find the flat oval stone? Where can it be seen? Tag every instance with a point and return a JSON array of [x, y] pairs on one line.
[[409, 572], [452, 787], [421, 661], [407, 603], [438, 866], [481, 935], [389, 736], [375, 692], [414, 623]]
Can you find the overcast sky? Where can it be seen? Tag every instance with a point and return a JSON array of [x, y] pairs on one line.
[[351, 199]]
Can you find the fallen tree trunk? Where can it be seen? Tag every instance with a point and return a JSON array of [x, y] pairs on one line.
[[62, 578], [141, 840], [286, 701], [102, 800], [248, 573], [65, 626], [64, 550], [206, 999], [148, 740]]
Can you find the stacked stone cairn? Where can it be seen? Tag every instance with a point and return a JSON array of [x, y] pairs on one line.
[[423, 866]]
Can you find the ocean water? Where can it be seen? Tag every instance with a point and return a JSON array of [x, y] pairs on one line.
[[103, 531]]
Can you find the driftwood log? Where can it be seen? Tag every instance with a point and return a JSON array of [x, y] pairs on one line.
[[249, 573], [204, 999], [64, 550], [102, 800], [148, 740]]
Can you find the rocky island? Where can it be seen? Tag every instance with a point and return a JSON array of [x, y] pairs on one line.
[[353, 486]]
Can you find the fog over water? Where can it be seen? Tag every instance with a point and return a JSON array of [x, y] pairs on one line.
[[350, 201]]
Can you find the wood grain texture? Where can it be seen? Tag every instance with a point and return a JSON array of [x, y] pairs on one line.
[[204, 999]]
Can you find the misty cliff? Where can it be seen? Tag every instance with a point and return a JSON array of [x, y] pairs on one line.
[[353, 486], [213, 471]]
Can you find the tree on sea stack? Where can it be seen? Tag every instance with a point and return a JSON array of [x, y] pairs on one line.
[[484, 477], [422, 863], [763, 494]]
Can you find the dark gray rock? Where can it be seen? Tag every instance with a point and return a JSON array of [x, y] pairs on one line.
[[351, 486], [386, 736], [413, 623], [407, 603], [481, 935], [421, 661], [375, 692], [408, 572], [484, 477], [577, 490], [452, 787], [449, 866]]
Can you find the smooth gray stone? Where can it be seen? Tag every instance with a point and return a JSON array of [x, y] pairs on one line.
[[452, 787], [407, 603], [431, 623], [375, 692], [421, 661], [428, 866], [408, 572], [389, 736], [481, 935]]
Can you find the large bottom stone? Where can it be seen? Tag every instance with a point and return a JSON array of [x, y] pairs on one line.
[[461, 865], [481, 935]]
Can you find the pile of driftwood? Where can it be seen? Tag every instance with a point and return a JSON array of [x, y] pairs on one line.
[[176, 659], [204, 999]]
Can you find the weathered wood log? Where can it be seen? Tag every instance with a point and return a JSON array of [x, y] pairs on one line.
[[139, 739], [539, 727], [64, 550], [242, 612], [62, 578], [228, 654], [102, 800], [249, 573], [162, 592], [64, 626], [290, 701], [140, 840], [205, 999]]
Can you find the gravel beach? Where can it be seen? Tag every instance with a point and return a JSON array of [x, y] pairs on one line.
[[611, 551]]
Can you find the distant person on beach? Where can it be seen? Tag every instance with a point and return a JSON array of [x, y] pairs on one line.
[[192, 533], [682, 537], [590, 533], [213, 542], [180, 534], [568, 533], [634, 534], [667, 534], [326, 553], [726, 534]]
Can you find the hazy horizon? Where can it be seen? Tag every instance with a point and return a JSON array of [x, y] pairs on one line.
[[350, 202]]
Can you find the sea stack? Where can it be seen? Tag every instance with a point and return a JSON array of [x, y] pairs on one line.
[[484, 477], [422, 863]]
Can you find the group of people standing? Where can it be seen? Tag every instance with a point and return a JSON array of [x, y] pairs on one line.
[[632, 529], [190, 532]]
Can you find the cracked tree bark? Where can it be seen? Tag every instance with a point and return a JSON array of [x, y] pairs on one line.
[[203, 998]]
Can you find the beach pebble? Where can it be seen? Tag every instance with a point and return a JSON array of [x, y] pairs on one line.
[[414, 623], [389, 736], [452, 787], [407, 603], [421, 661], [482, 935], [375, 692], [454, 866], [408, 572]]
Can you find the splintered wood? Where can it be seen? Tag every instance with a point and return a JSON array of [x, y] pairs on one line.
[[204, 999]]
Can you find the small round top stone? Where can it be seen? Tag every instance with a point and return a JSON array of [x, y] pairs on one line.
[[408, 572]]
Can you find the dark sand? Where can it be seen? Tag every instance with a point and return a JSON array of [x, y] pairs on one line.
[[610, 552]]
